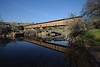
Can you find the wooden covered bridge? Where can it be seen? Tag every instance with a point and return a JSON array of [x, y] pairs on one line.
[[60, 22], [54, 27]]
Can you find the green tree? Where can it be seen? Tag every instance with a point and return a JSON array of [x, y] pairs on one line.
[[85, 38]]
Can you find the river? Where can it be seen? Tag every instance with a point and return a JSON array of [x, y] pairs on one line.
[[33, 53]]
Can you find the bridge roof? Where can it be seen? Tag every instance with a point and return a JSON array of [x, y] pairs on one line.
[[55, 20]]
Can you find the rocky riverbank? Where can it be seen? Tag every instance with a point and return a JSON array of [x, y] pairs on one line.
[[12, 35]]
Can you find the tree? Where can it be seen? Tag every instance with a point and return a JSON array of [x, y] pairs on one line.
[[72, 14], [1, 19], [91, 12], [74, 27], [85, 38], [33, 22]]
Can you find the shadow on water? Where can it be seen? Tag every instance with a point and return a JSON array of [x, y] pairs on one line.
[[41, 53]]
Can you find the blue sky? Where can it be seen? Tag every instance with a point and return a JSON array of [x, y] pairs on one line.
[[38, 10]]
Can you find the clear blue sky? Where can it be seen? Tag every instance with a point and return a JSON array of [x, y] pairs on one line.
[[38, 10]]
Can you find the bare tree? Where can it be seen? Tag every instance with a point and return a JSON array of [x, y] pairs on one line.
[[91, 12], [73, 28]]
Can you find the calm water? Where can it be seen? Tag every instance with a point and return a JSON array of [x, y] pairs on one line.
[[21, 53], [32, 53]]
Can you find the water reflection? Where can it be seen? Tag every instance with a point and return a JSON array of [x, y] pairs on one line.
[[64, 43], [78, 55], [4, 41], [21, 53], [33, 53]]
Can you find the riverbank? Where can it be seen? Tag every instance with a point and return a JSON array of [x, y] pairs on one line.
[[12, 35], [95, 50]]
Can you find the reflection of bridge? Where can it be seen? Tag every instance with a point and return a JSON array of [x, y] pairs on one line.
[[79, 57], [60, 48]]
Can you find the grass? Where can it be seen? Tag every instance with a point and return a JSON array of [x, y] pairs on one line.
[[96, 33]]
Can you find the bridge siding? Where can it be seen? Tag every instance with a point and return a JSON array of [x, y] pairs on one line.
[[52, 23]]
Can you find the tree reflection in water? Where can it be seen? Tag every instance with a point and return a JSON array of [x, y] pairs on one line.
[[4, 41], [80, 57]]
